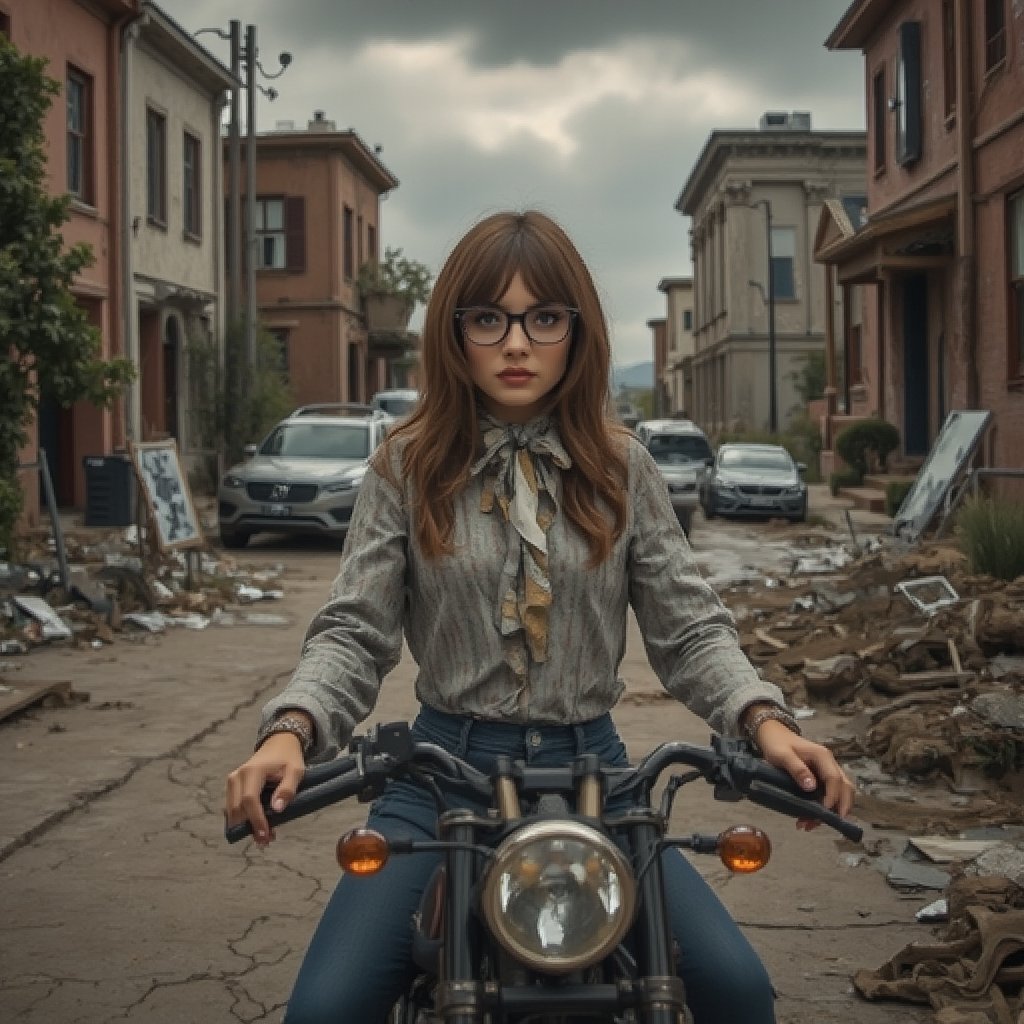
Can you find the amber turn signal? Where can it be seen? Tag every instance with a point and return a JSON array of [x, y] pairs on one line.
[[744, 849], [361, 851]]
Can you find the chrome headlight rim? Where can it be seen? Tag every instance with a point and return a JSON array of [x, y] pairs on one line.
[[512, 847]]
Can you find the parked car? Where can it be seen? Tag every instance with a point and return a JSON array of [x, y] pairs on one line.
[[680, 448], [755, 480], [303, 477], [397, 402]]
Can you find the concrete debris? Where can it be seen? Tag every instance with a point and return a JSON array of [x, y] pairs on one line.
[[117, 584], [937, 910]]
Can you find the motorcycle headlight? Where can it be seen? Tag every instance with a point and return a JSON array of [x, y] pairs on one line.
[[558, 896]]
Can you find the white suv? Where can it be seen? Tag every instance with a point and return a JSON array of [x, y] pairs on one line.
[[681, 450]]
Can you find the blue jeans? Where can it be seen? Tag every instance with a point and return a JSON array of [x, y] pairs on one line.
[[359, 963]]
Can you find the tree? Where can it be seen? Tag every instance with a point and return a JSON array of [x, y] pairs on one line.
[[809, 379], [49, 343]]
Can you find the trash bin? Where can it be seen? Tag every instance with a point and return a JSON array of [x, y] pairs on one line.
[[109, 490]]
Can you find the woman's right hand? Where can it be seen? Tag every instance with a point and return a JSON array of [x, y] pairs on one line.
[[279, 759]]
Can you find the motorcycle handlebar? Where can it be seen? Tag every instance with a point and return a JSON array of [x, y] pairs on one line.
[[727, 762]]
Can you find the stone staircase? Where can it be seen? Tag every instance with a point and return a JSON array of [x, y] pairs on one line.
[[870, 496]]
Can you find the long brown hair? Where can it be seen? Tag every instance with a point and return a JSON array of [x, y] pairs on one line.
[[442, 437]]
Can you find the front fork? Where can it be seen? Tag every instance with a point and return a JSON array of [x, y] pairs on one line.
[[661, 998]]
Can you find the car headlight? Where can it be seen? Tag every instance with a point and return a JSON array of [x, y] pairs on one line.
[[559, 896], [232, 481], [725, 485], [345, 484]]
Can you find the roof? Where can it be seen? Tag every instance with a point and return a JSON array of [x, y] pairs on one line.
[[724, 144], [187, 55], [667, 283], [861, 21], [347, 143]]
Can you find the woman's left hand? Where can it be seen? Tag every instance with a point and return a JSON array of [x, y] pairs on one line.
[[809, 763]]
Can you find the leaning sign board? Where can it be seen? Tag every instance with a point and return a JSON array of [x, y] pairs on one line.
[[946, 463], [167, 494]]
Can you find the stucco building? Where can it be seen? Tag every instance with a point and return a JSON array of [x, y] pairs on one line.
[[175, 94], [317, 222], [787, 170], [81, 42], [940, 258], [674, 379]]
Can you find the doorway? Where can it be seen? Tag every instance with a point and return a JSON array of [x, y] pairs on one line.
[[916, 368]]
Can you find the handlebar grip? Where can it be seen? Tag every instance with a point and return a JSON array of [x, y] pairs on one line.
[[776, 799], [312, 798]]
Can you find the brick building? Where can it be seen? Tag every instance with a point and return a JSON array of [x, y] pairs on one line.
[[939, 261]]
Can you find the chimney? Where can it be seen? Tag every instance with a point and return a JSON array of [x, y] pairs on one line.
[[320, 123]]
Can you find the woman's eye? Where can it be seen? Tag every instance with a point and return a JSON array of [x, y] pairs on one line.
[[487, 318], [547, 317]]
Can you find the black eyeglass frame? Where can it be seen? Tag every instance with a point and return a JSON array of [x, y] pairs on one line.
[[516, 318]]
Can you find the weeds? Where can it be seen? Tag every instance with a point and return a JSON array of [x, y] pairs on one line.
[[991, 534]]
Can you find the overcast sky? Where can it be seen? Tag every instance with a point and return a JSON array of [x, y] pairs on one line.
[[591, 110]]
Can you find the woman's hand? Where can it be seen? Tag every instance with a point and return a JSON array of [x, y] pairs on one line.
[[809, 763], [279, 759]]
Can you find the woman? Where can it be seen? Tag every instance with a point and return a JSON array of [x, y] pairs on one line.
[[506, 527]]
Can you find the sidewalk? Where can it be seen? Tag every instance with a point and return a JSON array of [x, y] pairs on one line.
[[820, 502]]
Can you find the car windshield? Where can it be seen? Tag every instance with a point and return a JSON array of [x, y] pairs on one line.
[[756, 460], [396, 406], [678, 448], [319, 441]]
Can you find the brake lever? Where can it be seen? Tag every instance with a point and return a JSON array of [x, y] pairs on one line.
[[766, 795]]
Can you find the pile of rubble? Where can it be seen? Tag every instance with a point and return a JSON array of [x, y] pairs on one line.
[[922, 662], [117, 586]]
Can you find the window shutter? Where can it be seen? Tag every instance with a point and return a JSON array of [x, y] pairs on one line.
[[295, 234]]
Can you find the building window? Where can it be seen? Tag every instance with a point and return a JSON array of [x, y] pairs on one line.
[[280, 230], [687, 319], [879, 108], [271, 253], [783, 263], [192, 168], [949, 56], [371, 242], [1015, 209], [5, 25], [855, 356], [156, 167], [80, 135], [908, 94], [348, 253], [995, 33]]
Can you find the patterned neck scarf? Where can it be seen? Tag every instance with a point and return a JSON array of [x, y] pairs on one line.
[[519, 465]]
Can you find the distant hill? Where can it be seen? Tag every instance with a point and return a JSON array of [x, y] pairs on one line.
[[639, 375]]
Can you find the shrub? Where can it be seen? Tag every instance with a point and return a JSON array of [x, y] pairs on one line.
[[844, 478], [895, 492], [869, 436], [991, 533]]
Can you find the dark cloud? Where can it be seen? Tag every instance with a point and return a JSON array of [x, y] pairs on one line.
[[510, 106]]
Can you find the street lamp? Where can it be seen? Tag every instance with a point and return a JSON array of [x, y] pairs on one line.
[[773, 416], [248, 56]]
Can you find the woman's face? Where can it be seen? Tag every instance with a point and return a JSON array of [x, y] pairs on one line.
[[515, 375]]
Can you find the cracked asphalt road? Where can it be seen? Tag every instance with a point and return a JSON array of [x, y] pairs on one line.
[[122, 902]]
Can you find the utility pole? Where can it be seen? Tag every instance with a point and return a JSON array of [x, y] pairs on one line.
[[250, 194], [773, 410], [234, 181]]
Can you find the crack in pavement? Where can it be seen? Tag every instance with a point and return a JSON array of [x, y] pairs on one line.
[[83, 799]]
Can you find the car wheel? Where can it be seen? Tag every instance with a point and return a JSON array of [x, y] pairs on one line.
[[801, 516], [234, 538], [686, 522]]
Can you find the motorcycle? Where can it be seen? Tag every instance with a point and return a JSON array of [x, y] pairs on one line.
[[547, 907]]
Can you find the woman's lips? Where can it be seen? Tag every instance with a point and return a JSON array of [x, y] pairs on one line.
[[516, 376]]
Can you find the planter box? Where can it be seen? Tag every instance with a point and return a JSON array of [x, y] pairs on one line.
[[387, 312]]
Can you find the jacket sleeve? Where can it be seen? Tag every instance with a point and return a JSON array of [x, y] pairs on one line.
[[356, 638], [689, 634]]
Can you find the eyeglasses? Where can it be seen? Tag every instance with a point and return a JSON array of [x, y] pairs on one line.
[[548, 324]]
